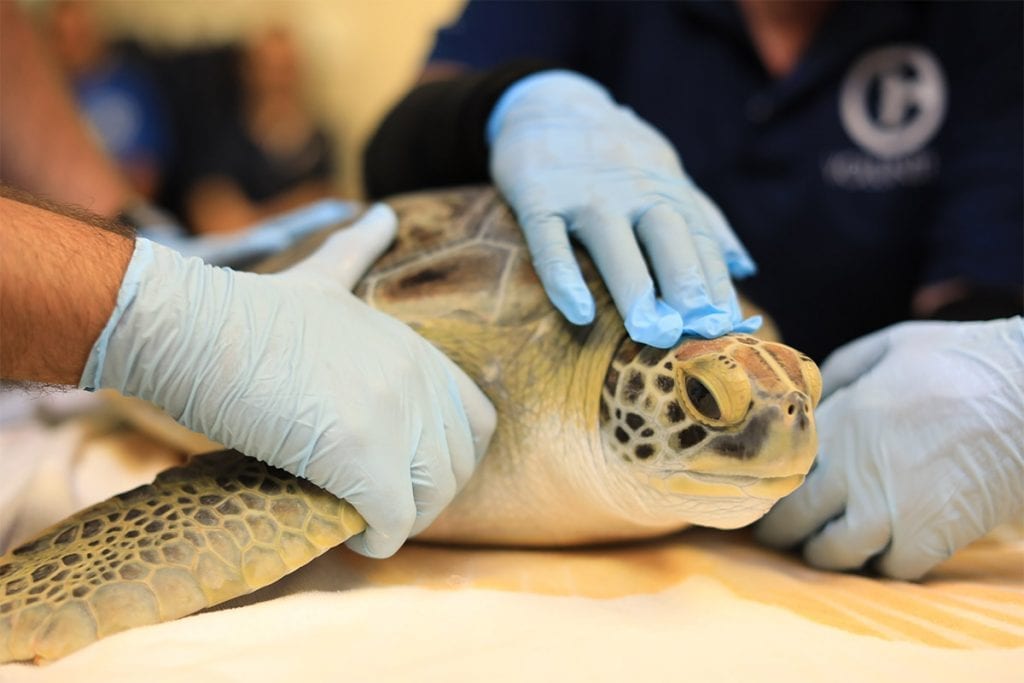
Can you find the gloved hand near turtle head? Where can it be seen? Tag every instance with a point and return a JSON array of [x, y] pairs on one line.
[[921, 448], [293, 369], [571, 162]]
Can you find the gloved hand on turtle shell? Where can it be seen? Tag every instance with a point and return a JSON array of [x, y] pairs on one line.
[[921, 448], [571, 162], [293, 369]]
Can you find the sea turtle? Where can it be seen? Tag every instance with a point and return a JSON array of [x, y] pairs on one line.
[[598, 439]]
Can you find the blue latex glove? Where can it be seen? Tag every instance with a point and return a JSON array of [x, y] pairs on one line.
[[265, 237], [922, 448], [293, 369], [572, 162]]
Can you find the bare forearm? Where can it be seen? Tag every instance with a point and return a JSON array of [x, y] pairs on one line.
[[44, 145], [59, 278]]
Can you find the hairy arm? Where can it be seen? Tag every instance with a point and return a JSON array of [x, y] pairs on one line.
[[44, 145], [59, 278]]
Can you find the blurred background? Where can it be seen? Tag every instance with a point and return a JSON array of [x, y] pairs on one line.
[[205, 102]]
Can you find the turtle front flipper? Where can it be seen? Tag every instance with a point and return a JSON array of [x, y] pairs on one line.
[[221, 526]]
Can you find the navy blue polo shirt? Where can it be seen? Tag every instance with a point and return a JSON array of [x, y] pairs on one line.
[[889, 159]]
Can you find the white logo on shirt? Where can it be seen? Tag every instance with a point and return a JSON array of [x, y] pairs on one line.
[[893, 100]]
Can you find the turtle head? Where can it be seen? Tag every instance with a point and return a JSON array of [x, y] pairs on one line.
[[712, 432]]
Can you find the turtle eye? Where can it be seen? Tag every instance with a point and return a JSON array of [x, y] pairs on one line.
[[701, 398], [715, 390]]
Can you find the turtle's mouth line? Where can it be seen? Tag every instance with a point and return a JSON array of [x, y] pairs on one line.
[[726, 486]]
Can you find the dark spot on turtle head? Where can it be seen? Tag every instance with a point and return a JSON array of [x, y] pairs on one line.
[[650, 356], [162, 510], [748, 443], [634, 421], [113, 517], [621, 435], [150, 556], [647, 432], [15, 587], [154, 526], [667, 365], [634, 387], [6, 569], [6, 607], [210, 499], [618, 413], [79, 591], [749, 341], [687, 438], [42, 572], [674, 412], [644, 451], [627, 352], [611, 380], [665, 383]]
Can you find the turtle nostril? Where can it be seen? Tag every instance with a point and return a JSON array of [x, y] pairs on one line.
[[791, 409]]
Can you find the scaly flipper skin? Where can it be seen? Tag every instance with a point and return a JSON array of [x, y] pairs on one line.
[[219, 527]]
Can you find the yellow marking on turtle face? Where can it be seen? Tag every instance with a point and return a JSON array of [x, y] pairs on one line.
[[685, 485], [773, 488]]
